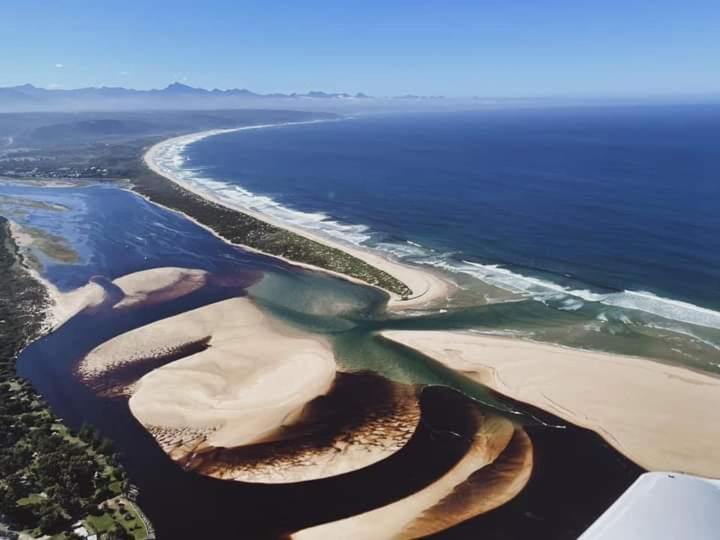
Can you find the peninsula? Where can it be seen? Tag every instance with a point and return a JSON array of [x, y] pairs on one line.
[[408, 287]]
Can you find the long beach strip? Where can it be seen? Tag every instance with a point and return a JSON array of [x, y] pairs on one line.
[[427, 287]]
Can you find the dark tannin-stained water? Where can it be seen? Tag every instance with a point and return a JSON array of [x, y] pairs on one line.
[[576, 475]]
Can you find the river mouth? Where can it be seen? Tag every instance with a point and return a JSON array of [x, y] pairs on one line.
[[575, 478]]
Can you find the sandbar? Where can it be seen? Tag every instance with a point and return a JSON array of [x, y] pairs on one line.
[[663, 417]]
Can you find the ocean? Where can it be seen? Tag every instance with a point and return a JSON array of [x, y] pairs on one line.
[[611, 209], [113, 232], [588, 228]]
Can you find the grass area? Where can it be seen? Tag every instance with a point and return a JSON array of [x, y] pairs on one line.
[[100, 523], [119, 512], [50, 477], [35, 498]]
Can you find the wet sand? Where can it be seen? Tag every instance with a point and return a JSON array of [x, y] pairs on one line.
[[148, 286], [417, 515]]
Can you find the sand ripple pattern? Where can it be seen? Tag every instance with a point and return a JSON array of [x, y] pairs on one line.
[[229, 393]]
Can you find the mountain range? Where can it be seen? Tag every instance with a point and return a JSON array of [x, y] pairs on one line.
[[28, 98]]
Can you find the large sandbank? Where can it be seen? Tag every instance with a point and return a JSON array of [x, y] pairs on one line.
[[229, 392], [250, 379], [427, 287], [662, 417]]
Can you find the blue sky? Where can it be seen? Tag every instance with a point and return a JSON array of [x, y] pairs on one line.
[[487, 48]]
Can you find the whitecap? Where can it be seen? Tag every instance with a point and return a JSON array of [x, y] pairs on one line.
[[545, 290], [168, 158]]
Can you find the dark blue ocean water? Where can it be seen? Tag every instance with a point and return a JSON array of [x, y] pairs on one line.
[[602, 200]]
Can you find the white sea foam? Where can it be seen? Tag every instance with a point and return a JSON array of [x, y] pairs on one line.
[[169, 159], [405, 250], [544, 290], [677, 330], [503, 333]]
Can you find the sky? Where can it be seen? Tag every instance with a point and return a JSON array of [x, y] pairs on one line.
[[503, 48]]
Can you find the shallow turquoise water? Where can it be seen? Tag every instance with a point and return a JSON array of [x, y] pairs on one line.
[[117, 232], [604, 218]]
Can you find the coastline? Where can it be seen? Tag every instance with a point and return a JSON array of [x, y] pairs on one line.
[[61, 306], [26, 308], [427, 288], [628, 400]]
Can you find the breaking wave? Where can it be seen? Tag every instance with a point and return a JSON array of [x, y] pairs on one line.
[[570, 299], [168, 158]]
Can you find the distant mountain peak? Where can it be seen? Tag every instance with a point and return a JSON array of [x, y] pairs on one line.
[[180, 88], [28, 97]]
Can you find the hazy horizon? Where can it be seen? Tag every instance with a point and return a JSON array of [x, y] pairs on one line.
[[353, 92], [487, 49]]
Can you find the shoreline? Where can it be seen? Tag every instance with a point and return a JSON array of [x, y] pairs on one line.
[[629, 401], [27, 306], [61, 306], [427, 288]]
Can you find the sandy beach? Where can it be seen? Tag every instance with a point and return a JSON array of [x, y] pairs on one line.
[[63, 305], [662, 417], [428, 288]]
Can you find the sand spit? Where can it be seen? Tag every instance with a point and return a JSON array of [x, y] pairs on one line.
[[662, 417], [63, 305], [414, 515], [68, 304], [428, 288]]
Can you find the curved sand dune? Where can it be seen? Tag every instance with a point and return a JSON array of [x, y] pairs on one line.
[[662, 417], [230, 393], [246, 382], [484, 490], [363, 419], [443, 503]]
